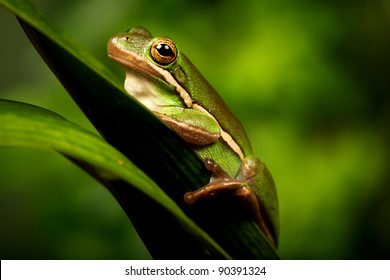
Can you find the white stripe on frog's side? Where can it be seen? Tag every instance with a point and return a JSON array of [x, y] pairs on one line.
[[188, 101], [225, 136]]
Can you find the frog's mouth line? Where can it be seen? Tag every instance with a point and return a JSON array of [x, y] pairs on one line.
[[139, 64]]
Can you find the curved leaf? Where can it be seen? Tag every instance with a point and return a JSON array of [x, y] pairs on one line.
[[27, 125]]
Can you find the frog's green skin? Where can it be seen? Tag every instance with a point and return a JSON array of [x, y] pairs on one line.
[[165, 81]]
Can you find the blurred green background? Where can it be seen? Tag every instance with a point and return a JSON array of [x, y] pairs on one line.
[[308, 79]]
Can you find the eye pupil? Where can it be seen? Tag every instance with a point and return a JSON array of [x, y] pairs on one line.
[[164, 50]]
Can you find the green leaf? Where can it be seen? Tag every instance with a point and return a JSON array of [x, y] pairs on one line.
[[26, 125], [155, 149]]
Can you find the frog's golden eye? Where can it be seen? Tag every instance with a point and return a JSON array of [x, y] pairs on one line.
[[163, 51]]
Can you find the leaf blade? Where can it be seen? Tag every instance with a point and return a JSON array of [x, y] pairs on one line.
[[27, 125]]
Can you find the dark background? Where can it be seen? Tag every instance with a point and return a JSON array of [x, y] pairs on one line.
[[308, 79]]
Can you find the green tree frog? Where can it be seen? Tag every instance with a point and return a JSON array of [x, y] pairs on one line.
[[164, 80]]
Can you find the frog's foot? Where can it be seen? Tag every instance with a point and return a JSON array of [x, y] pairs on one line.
[[221, 185], [216, 170]]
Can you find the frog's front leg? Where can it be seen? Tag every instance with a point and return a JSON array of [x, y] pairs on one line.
[[240, 187]]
